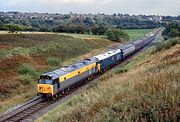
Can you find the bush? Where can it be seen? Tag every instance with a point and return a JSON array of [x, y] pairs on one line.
[[117, 35], [121, 70], [25, 79], [25, 69], [53, 61], [171, 30], [168, 44], [12, 28]]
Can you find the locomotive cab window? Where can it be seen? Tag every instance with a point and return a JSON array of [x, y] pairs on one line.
[[45, 80]]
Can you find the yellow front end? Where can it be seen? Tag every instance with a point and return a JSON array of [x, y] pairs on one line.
[[45, 89]]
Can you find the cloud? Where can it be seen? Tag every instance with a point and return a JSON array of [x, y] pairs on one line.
[[163, 7]]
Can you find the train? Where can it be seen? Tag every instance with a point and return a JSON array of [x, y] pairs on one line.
[[56, 82]]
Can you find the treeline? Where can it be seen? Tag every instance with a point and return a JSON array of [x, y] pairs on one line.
[[114, 34], [132, 23], [80, 29], [11, 28], [77, 25], [171, 30]]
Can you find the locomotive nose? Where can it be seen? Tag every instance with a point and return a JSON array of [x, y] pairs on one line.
[[44, 88]]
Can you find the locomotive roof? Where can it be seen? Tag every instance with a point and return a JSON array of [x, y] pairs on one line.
[[107, 54], [67, 69]]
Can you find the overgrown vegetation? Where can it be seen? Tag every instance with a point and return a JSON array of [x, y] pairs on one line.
[[25, 79], [26, 69], [168, 44], [53, 61]]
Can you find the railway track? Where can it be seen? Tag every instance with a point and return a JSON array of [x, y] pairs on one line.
[[22, 111], [37, 104]]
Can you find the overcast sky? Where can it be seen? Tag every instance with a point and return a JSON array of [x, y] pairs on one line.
[[157, 7]]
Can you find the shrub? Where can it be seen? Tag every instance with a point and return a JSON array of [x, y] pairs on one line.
[[25, 69], [25, 79], [168, 44], [53, 61], [121, 70], [117, 35], [172, 30], [12, 28]]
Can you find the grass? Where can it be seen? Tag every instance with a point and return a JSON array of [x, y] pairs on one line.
[[25, 69], [137, 33], [53, 61], [168, 44], [48, 45], [84, 36], [133, 34], [25, 79], [148, 91]]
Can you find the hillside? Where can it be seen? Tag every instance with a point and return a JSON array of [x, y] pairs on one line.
[[147, 90], [23, 57]]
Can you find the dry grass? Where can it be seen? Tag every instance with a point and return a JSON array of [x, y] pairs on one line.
[[147, 92]]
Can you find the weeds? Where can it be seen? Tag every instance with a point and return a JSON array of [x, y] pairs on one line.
[[25, 69], [166, 45], [25, 79], [53, 61]]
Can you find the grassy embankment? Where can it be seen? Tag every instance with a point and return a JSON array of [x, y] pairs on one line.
[[145, 89], [25, 56]]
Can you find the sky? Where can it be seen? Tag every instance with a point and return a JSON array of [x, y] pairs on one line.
[[147, 7]]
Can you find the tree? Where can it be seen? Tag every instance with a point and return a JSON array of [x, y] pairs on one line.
[[98, 30], [2, 27], [117, 35], [171, 30], [12, 28]]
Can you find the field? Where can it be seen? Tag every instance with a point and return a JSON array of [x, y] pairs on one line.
[[23, 57], [133, 34], [145, 89], [137, 33]]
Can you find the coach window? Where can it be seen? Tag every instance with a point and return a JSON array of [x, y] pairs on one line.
[[112, 58], [64, 78], [78, 72]]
